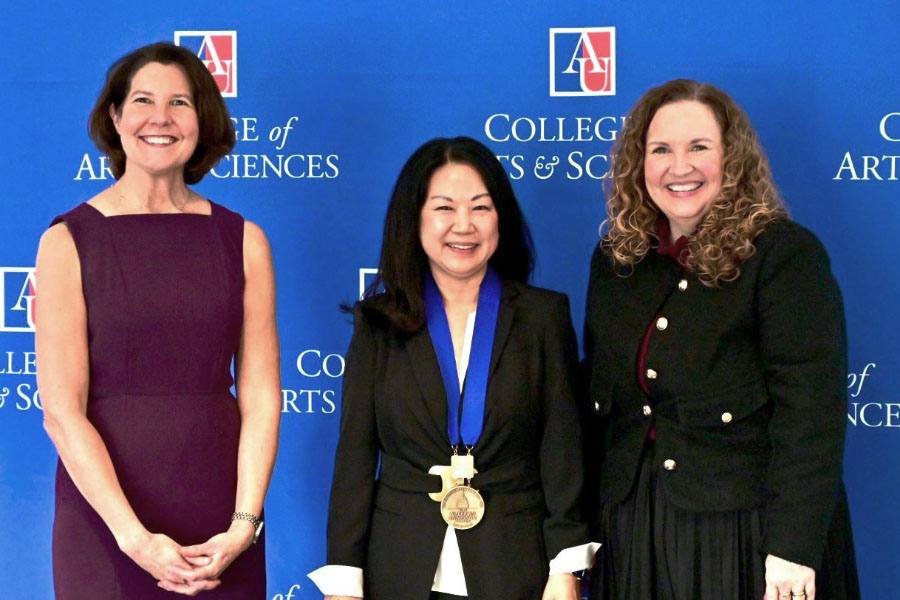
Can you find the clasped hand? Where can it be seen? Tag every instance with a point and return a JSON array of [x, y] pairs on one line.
[[190, 570], [785, 579]]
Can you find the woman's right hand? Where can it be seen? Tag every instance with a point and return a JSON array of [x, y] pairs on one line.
[[159, 555]]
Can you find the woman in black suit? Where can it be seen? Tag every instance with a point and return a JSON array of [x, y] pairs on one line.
[[456, 312], [716, 345]]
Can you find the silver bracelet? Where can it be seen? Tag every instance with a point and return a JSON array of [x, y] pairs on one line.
[[245, 516]]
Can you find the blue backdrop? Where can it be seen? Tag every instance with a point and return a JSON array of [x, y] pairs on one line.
[[331, 98]]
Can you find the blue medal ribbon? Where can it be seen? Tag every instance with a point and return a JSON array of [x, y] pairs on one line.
[[465, 408]]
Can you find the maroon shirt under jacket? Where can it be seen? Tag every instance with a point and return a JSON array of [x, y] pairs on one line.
[[678, 252]]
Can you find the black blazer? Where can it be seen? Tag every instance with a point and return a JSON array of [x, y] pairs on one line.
[[528, 457], [749, 399]]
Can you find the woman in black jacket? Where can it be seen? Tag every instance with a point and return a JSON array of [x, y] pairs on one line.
[[458, 365], [716, 345]]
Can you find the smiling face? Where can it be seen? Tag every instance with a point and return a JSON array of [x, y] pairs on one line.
[[157, 121], [459, 226], [683, 163]]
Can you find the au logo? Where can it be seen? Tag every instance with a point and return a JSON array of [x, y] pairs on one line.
[[583, 61], [218, 51], [17, 297]]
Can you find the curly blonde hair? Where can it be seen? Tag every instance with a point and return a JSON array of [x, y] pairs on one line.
[[747, 203]]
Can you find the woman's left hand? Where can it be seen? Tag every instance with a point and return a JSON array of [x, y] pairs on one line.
[[789, 581], [212, 557], [562, 586]]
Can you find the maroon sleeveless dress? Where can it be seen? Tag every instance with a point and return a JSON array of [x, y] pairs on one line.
[[164, 296]]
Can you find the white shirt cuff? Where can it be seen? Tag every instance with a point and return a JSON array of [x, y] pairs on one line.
[[338, 580], [577, 558]]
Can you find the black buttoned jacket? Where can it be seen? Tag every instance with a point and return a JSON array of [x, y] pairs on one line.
[[749, 398], [528, 457]]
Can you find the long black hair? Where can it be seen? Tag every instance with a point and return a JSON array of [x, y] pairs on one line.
[[396, 295]]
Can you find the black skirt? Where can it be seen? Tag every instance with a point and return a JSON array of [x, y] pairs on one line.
[[654, 550]]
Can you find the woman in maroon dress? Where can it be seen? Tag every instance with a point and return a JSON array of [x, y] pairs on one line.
[[148, 292]]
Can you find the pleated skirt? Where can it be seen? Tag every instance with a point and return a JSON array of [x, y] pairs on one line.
[[654, 550]]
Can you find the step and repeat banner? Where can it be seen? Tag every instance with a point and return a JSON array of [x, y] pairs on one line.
[[330, 98]]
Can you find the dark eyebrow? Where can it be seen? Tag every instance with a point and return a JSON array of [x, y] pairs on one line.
[[145, 92], [449, 199], [693, 141]]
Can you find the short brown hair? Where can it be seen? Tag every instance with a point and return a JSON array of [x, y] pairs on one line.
[[747, 203], [216, 136]]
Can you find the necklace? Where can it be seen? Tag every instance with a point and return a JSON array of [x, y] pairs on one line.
[[146, 205]]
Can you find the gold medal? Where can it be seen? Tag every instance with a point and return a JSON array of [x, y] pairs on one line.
[[462, 507]]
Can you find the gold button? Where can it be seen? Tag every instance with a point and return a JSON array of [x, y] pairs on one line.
[[651, 374], [596, 407], [682, 285], [662, 323], [727, 417], [647, 410], [669, 464]]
